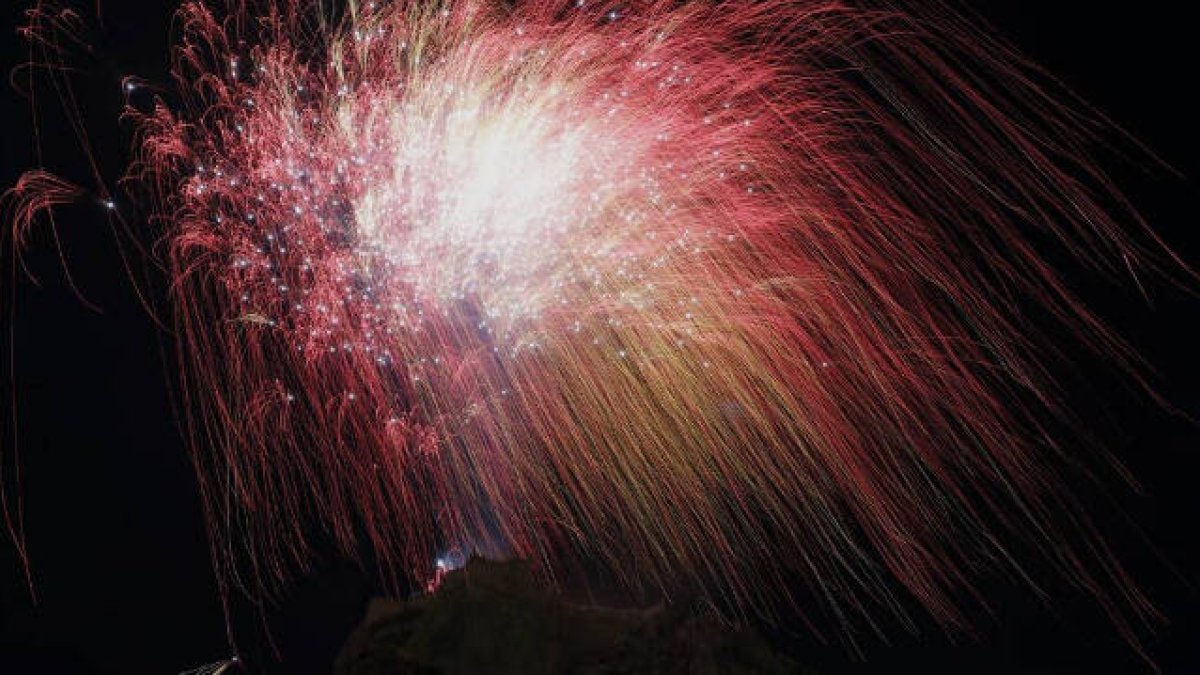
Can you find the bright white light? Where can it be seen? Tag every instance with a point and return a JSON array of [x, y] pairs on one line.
[[482, 199]]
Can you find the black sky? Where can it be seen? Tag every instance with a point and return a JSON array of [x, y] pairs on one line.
[[113, 521]]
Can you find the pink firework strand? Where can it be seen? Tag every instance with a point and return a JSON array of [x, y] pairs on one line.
[[716, 297]]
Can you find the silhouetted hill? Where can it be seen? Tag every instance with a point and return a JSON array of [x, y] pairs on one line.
[[494, 617]]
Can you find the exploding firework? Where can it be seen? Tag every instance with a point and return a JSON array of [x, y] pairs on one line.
[[715, 296]]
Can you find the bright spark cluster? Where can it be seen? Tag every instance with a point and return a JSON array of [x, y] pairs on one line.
[[717, 296]]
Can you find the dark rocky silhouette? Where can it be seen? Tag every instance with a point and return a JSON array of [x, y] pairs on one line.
[[495, 617]]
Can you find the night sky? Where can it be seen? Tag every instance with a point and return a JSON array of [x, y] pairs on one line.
[[113, 521]]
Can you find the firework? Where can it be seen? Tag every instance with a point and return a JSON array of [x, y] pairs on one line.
[[715, 296]]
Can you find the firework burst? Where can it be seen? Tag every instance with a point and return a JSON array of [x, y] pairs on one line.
[[718, 295]]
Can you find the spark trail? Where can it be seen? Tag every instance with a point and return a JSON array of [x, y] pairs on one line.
[[715, 295]]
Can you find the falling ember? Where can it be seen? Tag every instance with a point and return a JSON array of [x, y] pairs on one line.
[[715, 296]]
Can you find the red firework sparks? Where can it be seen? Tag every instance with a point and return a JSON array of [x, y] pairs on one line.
[[717, 295]]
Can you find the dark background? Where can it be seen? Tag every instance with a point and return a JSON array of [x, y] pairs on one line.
[[113, 524]]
